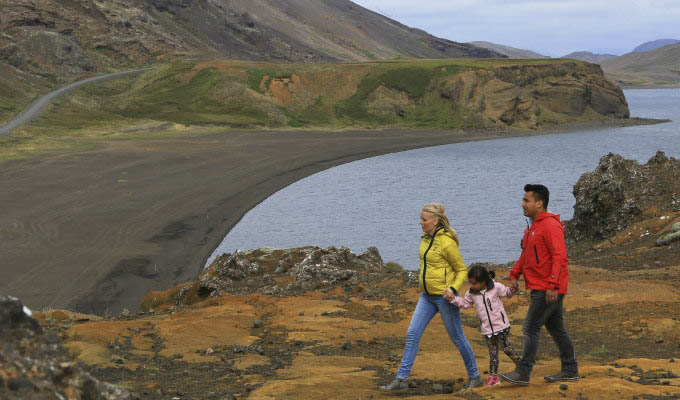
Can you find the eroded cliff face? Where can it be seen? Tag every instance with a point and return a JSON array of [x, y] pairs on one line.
[[450, 94], [531, 96]]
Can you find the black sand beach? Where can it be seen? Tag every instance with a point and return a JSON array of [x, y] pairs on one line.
[[96, 230]]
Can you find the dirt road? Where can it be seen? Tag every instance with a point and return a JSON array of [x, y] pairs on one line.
[[39, 105]]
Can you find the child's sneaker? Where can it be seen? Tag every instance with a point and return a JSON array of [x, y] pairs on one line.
[[492, 380]]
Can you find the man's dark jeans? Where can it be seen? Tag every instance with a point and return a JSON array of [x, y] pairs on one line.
[[551, 315]]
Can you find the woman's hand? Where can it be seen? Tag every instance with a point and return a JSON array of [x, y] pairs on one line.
[[448, 294]]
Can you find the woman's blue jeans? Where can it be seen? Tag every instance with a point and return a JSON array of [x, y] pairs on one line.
[[427, 307]]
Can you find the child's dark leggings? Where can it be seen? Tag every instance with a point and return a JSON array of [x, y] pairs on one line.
[[496, 341]]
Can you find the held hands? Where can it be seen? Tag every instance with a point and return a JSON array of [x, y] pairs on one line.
[[448, 294], [514, 286]]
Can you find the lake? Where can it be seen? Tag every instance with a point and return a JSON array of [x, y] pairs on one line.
[[377, 201]]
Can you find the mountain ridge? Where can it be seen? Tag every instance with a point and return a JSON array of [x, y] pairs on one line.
[[509, 51], [654, 44], [654, 68], [68, 37], [589, 57]]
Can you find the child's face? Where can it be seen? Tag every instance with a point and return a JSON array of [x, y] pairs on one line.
[[474, 285]]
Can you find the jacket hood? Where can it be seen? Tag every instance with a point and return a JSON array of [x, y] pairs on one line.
[[489, 286], [546, 215]]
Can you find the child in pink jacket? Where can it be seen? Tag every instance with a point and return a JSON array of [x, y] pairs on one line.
[[485, 294]]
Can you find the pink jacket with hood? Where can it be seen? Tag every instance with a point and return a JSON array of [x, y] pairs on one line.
[[489, 306]]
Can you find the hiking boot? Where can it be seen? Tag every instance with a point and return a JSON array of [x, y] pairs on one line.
[[562, 376], [515, 378], [471, 384], [492, 380], [397, 384]]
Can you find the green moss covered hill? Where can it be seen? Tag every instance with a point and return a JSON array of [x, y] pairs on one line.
[[448, 93]]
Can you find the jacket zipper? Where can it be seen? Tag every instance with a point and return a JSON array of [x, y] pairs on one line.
[[425, 261], [487, 313], [536, 252], [503, 316]]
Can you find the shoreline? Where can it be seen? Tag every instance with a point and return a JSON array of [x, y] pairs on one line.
[[95, 231], [644, 87]]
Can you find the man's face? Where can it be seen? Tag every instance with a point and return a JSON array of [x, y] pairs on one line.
[[531, 206]]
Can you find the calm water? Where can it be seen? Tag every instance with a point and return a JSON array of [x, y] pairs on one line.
[[377, 201]]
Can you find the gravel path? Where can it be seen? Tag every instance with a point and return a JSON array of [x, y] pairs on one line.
[[39, 105]]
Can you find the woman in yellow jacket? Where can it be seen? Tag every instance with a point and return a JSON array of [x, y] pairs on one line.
[[442, 273]]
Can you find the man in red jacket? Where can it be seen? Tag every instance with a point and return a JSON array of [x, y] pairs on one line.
[[544, 264]]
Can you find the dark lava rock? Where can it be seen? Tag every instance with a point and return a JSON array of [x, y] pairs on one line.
[[563, 386], [308, 268], [39, 366], [618, 191], [257, 324]]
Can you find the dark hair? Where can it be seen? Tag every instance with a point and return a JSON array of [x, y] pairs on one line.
[[480, 274], [540, 193]]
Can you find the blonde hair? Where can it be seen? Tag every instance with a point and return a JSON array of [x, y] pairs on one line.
[[438, 210]]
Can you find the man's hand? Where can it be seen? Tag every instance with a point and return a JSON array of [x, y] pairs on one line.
[[550, 296], [448, 294], [514, 286]]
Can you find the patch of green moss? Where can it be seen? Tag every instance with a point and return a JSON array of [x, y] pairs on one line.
[[412, 80]]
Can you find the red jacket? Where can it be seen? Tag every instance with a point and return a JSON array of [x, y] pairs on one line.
[[544, 261]]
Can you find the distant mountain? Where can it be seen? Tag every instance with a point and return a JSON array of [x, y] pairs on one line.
[[589, 57], [57, 37], [654, 44], [511, 52], [656, 67]]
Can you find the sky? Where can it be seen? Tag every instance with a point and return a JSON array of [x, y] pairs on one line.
[[550, 27]]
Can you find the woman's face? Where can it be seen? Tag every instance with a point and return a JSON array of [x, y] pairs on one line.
[[428, 222]]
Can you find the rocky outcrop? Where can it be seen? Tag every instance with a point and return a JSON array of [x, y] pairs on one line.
[[284, 272], [620, 192], [34, 365], [536, 95], [47, 51]]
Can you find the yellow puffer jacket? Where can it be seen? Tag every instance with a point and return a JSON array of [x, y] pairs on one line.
[[441, 264]]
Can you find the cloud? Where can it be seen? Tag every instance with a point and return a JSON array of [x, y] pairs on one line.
[[550, 27]]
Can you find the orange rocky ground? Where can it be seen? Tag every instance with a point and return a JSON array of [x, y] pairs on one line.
[[342, 345]]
